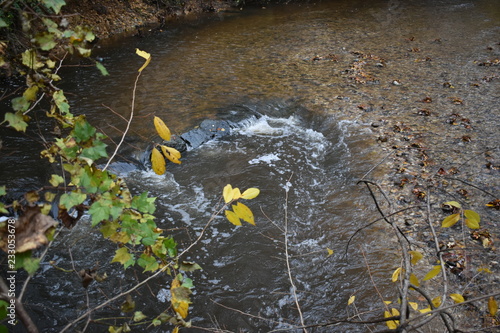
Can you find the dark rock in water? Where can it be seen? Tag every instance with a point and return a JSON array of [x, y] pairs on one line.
[[208, 130], [176, 142], [123, 168]]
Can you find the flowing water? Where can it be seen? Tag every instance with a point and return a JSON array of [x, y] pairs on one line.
[[293, 66]]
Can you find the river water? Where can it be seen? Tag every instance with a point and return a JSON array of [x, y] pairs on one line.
[[294, 66]]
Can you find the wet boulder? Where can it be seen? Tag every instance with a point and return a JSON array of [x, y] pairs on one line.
[[208, 130]]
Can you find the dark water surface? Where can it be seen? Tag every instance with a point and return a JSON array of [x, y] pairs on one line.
[[293, 65]]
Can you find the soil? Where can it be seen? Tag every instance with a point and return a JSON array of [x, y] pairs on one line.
[[121, 16]]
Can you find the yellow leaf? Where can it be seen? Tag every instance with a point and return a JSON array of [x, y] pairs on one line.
[[227, 193], [232, 217], [433, 272], [453, 204], [157, 162], [180, 298], [146, 56], [391, 323], [244, 213], [471, 224], [351, 300], [413, 305], [484, 269], [171, 154], [492, 306], [414, 281], [387, 302], [436, 301], [236, 193], [395, 312], [162, 129], [176, 329], [330, 251], [457, 298], [415, 257], [425, 310], [450, 220], [250, 193], [396, 273]]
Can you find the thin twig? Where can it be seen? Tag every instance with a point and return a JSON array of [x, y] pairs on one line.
[[128, 122], [285, 231]]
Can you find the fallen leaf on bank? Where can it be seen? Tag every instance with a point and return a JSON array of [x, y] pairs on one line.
[[31, 229]]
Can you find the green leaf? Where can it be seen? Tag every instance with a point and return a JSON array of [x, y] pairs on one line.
[[2, 190], [55, 180], [188, 266], [148, 262], [95, 152], [450, 220], [55, 5], [25, 261], [109, 228], [472, 219], [3, 24], [123, 256], [30, 60], [83, 130], [16, 120], [61, 101], [102, 69], [46, 41], [128, 305], [30, 93], [20, 104], [100, 211], [84, 52], [144, 204], [171, 246], [71, 199], [433, 272], [138, 316]]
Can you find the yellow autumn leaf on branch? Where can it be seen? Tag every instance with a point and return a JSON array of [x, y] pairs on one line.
[[457, 298], [171, 154], [450, 220], [414, 280], [157, 162], [250, 193], [432, 273], [395, 275], [162, 129], [180, 298], [232, 217], [244, 213], [472, 219], [146, 56], [415, 256], [351, 300], [227, 193]]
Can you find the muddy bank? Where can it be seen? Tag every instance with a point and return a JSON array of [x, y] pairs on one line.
[[132, 16]]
